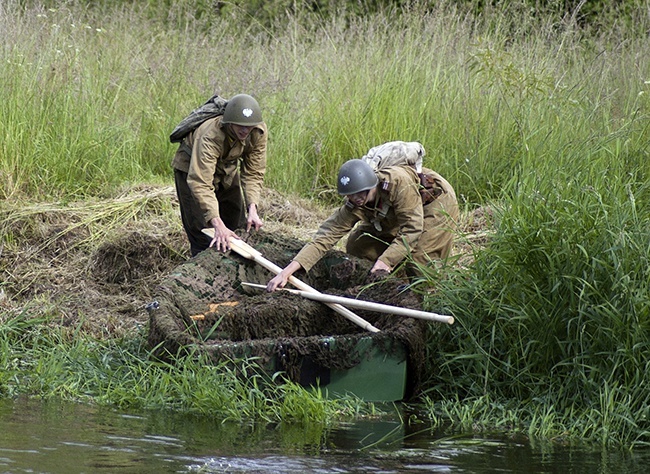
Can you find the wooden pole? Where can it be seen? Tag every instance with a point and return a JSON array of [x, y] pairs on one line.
[[246, 251], [369, 305]]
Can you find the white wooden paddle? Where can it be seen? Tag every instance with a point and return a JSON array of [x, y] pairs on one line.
[[246, 251], [368, 305]]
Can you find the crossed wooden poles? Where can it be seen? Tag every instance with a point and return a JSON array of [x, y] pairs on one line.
[[334, 302]]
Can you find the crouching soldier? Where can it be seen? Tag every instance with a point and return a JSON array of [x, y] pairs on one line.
[[397, 212]]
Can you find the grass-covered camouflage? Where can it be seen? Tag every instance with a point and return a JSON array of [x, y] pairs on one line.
[[201, 305]]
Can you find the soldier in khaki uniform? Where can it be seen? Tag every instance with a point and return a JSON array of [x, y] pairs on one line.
[[392, 219], [214, 164]]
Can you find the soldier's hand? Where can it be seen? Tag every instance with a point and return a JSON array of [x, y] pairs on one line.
[[253, 220], [380, 266], [222, 235], [281, 279], [278, 281]]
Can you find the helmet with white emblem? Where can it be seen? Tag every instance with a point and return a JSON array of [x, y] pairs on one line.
[[355, 176], [242, 109]]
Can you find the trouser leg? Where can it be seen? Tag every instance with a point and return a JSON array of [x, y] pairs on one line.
[[191, 215], [231, 205], [435, 243], [364, 242], [231, 210]]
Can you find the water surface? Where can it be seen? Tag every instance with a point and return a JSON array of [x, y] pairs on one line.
[[56, 437]]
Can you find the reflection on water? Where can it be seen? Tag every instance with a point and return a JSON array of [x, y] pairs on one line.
[[71, 438]]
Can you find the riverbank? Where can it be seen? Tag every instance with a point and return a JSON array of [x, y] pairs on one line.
[[73, 318], [92, 265], [540, 116]]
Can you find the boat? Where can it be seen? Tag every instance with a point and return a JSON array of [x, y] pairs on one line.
[[204, 305]]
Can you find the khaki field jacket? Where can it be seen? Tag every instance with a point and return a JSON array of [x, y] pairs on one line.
[[211, 157], [397, 212]]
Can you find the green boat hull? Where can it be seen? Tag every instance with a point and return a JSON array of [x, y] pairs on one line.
[[381, 376]]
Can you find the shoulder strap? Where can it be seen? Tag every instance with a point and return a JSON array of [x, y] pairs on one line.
[[382, 206]]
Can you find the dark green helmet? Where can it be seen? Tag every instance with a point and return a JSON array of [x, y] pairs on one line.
[[356, 176], [242, 109]]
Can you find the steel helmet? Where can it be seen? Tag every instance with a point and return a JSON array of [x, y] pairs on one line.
[[242, 109], [355, 176]]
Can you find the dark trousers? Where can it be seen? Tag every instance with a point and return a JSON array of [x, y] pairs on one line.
[[231, 209]]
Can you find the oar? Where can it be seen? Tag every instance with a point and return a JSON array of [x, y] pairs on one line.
[[246, 251], [369, 305]]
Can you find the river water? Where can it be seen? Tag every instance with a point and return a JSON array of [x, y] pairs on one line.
[[57, 437]]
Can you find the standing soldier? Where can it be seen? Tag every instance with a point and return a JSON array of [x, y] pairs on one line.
[[397, 216], [223, 158]]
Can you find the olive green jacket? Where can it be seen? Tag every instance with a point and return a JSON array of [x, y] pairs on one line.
[[397, 211], [211, 157]]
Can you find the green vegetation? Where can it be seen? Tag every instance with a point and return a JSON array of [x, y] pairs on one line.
[[91, 98], [50, 362], [540, 118], [554, 312]]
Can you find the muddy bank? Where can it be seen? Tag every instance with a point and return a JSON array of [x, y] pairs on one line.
[[93, 265]]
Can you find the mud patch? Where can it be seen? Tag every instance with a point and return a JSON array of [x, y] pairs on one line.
[[88, 266], [129, 258]]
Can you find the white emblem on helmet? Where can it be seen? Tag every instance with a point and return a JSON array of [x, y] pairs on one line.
[[345, 180], [247, 112]]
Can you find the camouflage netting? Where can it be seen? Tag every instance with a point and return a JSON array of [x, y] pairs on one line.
[[203, 305]]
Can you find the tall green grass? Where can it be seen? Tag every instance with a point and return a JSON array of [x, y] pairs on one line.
[[554, 311], [44, 361], [91, 95]]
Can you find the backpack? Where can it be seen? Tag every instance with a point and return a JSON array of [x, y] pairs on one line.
[[405, 153], [395, 153], [213, 107]]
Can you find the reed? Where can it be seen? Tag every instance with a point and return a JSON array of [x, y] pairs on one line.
[[553, 311], [49, 362], [485, 96]]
